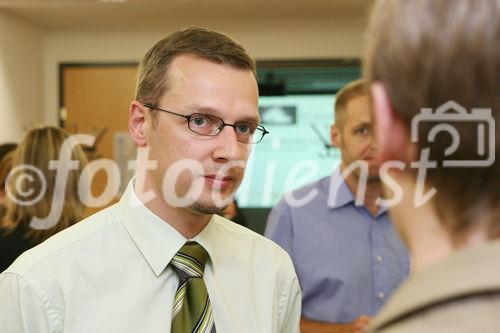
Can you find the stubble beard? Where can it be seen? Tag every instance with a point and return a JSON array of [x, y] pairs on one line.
[[206, 209], [207, 206]]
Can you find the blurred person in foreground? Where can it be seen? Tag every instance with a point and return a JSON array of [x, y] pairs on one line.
[[441, 55], [348, 255], [162, 259], [37, 149]]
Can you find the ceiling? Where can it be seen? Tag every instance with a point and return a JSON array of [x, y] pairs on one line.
[[149, 14], [134, 15]]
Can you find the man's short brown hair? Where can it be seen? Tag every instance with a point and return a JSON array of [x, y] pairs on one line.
[[429, 52], [347, 93], [214, 46]]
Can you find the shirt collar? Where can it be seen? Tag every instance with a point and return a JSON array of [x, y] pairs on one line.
[[340, 195], [209, 238], [157, 240], [467, 272]]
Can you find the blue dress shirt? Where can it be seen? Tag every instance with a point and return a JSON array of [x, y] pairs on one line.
[[347, 261]]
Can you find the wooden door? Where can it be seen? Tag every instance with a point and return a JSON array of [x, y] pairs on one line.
[[95, 99]]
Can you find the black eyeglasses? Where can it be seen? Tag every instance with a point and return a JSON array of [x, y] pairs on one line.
[[208, 125]]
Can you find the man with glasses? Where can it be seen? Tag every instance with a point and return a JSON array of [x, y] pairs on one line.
[[209, 125], [161, 260]]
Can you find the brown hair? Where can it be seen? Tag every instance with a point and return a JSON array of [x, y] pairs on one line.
[[38, 148], [6, 148], [152, 82], [347, 93], [5, 167], [426, 53]]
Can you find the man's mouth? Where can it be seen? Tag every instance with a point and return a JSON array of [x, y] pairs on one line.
[[217, 181]]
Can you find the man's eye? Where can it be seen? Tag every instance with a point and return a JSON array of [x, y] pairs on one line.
[[199, 120], [244, 128], [363, 130]]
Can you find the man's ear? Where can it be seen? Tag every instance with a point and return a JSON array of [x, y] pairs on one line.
[[137, 123], [392, 137], [335, 138]]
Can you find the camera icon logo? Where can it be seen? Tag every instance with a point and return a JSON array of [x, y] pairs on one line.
[[451, 112]]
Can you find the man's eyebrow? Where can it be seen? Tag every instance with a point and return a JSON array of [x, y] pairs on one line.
[[364, 123], [205, 109], [255, 120]]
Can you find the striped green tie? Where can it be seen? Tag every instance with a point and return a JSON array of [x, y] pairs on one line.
[[192, 311]]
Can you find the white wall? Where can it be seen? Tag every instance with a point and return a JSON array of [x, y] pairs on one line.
[[21, 68], [30, 55], [264, 39]]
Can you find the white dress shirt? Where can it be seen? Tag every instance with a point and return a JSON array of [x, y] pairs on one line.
[[110, 274]]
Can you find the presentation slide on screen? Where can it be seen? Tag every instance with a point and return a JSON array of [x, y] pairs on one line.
[[296, 152]]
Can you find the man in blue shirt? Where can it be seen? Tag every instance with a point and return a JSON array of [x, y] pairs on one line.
[[345, 250]]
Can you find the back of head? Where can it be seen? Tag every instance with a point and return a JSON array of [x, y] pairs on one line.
[[427, 53], [5, 167], [209, 45], [6, 156], [31, 175]]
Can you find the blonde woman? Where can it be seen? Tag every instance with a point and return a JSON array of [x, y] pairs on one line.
[[24, 184]]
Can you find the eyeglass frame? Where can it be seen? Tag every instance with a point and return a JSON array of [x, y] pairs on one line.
[[224, 124]]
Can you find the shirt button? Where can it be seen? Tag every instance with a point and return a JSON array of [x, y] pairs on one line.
[[379, 258], [381, 295]]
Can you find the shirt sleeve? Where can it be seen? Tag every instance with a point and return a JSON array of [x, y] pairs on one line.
[[290, 305], [279, 227], [21, 309]]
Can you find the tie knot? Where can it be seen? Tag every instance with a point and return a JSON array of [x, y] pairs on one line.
[[190, 260]]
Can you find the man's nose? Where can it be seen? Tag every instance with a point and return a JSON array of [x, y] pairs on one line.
[[228, 147], [373, 140]]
